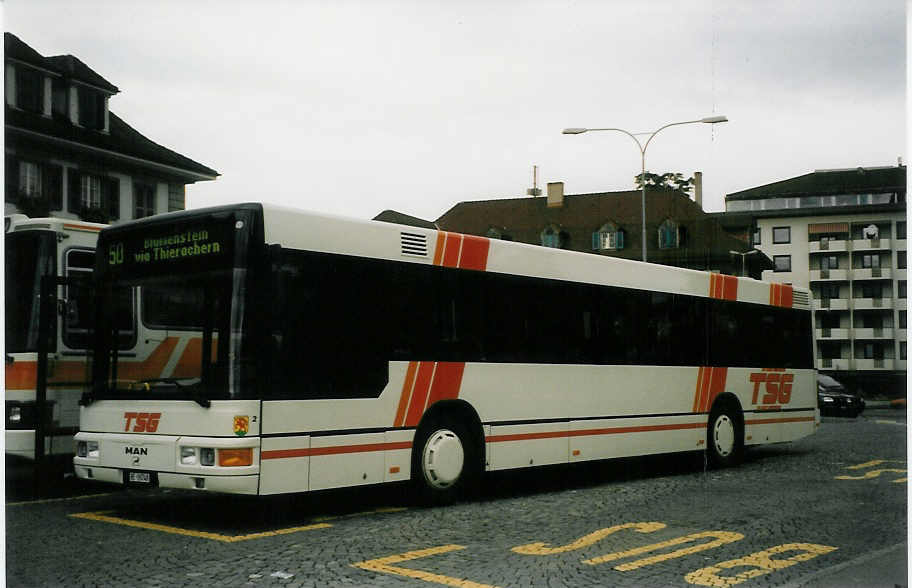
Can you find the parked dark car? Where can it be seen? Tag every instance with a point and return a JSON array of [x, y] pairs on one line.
[[834, 400]]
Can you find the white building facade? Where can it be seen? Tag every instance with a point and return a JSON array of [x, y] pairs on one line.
[[842, 233]]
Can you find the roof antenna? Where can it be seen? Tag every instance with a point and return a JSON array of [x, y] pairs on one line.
[[534, 190]]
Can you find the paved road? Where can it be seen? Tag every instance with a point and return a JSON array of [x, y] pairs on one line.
[[829, 510]]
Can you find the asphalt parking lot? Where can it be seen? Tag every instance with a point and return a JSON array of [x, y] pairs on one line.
[[829, 510]]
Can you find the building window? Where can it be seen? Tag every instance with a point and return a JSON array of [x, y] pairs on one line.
[[668, 234], [902, 319], [755, 237], [872, 291], [873, 351], [608, 237], [902, 288], [902, 350], [143, 200], [90, 191], [901, 230], [550, 237], [782, 263], [29, 89], [175, 197], [91, 109], [900, 260], [29, 179], [829, 291], [829, 262], [870, 261], [782, 235]]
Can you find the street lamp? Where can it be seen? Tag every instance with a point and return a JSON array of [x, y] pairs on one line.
[[743, 257], [580, 130]]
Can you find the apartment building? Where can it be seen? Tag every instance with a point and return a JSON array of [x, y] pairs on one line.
[[842, 233]]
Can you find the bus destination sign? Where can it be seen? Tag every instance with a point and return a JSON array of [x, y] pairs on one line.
[[196, 244]]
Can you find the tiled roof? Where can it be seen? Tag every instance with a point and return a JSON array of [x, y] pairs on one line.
[[65, 65], [859, 180]]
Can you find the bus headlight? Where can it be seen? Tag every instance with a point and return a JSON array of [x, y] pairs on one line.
[[188, 455], [15, 414], [235, 457], [87, 449], [207, 456]]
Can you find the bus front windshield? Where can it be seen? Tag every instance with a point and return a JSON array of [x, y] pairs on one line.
[[29, 257], [183, 347]]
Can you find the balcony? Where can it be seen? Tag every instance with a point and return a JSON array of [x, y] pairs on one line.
[[831, 334], [827, 246], [900, 274], [872, 333], [874, 364], [870, 244], [899, 364], [841, 364], [873, 304], [871, 273], [831, 304], [831, 275], [901, 334]]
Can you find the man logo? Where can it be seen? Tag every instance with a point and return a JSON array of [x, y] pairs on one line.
[[136, 451]]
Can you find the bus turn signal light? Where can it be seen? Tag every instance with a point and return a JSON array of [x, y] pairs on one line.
[[235, 457]]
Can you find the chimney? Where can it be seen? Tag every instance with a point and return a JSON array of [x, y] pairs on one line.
[[555, 194], [698, 189]]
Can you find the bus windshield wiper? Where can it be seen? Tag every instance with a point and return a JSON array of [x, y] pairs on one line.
[[190, 385]]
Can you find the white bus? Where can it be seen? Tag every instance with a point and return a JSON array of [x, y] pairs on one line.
[[35, 249], [298, 352]]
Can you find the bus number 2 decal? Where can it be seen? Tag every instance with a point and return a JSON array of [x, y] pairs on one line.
[[778, 389], [143, 422]]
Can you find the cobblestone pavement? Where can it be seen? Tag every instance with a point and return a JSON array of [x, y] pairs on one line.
[[829, 510]]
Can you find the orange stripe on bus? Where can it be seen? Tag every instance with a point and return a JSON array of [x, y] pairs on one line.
[[151, 367], [592, 432], [407, 386], [441, 245], [474, 252], [420, 393], [700, 375], [81, 227], [777, 421], [447, 380], [729, 287], [453, 250], [188, 366], [334, 450]]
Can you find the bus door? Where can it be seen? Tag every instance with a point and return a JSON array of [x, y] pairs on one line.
[[66, 307]]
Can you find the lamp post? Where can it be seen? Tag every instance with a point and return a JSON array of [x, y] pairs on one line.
[[580, 130], [743, 257]]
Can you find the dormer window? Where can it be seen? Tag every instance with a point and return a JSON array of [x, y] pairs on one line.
[[91, 108], [29, 89], [608, 238]]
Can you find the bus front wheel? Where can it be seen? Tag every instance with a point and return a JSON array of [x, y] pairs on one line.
[[725, 436], [444, 461]]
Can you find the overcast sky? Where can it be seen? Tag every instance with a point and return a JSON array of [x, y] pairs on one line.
[[355, 107]]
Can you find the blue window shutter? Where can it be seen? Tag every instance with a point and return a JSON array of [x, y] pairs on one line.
[[620, 239], [595, 241]]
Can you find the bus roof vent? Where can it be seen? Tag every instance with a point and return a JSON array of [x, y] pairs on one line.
[[413, 244], [800, 299]]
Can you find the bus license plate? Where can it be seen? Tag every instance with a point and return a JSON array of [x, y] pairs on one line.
[[139, 477]]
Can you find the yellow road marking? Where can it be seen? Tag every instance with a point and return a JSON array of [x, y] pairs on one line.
[[384, 565], [586, 540], [384, 510], [47, 500], [105, 518], [873, 474], [721, 538], [762, 562]]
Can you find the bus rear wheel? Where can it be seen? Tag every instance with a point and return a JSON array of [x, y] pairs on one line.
[[725, 437], [445, 462]]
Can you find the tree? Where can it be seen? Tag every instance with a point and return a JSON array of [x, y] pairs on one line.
[[673, 182]]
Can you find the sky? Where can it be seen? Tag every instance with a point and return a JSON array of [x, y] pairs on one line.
[[354, 107]]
